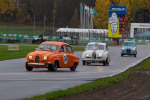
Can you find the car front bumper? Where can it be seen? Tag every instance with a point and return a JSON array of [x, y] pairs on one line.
[[130, 53], [94, 60], [40, 64]]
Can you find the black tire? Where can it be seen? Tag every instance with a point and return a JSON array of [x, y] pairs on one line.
[[73, 68], [121, 55], [55, 66], [33, 41], [106, 63], [28, 68], [134, 55], [49, 67], [83, 62]]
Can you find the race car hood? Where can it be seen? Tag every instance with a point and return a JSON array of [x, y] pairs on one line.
[[129, 47], [91, 52], [96, 51]]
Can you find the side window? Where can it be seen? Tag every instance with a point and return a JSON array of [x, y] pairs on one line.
[[63, 49], [69, 49]]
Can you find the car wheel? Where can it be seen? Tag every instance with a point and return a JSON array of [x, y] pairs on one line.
[[28, 68], [53, 67], [83, 62], [73, 68], [106, 63], [49, 67], [134, 55], [121, 55], [33, 41]]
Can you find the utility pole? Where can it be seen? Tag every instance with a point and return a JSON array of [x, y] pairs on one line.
[[53, 25], [44, 24], [34, 25]]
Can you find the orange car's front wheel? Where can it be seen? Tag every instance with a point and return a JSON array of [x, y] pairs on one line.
[[28, 68], [54, 66]]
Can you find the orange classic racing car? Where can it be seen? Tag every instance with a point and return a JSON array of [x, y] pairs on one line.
[[52, 55]]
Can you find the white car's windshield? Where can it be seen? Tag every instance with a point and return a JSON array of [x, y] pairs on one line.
[[95, 47], [128, 44], [48, 47]]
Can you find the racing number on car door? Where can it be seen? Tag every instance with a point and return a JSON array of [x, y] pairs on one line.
[[70, 56], [64, 57]]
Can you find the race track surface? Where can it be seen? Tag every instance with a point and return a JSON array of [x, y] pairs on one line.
[[17, 83]]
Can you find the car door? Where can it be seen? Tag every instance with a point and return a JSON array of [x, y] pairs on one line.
[[70, 56], [63, 57]]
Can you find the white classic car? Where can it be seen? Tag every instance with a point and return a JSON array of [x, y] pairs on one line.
[[96, 52]]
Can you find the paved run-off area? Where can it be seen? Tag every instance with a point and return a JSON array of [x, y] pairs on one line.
[[17, 83]]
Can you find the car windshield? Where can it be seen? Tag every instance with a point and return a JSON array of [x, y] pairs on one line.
[[95, 47], [128, 44], [48, 47]]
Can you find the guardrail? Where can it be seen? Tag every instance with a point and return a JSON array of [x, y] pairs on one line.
[[26, 38], [135, 40]]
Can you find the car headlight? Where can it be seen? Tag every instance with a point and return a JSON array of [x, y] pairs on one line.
[[133, 49], [87, 54], [45, 57], [122, 48], [30, 57], [100, 55]]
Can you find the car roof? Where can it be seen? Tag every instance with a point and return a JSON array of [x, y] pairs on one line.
[[54, 43], [97, 43]]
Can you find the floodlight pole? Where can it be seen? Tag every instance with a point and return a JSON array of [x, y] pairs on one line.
[[34, 24], [53, 25]]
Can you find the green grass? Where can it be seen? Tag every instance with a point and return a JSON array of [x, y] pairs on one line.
[[5, 54], [93, 85]]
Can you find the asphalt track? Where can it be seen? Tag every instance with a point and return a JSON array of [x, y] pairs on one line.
[[17, 83]]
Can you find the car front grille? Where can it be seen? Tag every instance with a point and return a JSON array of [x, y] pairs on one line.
[[94, 56], [37, 59], [128, 50]]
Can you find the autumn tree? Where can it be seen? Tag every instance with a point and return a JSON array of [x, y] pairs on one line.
[[101, 20], [6, 6], [22, 15], [74, 19], [6, 9]]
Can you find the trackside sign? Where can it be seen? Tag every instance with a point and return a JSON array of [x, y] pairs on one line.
[[13, 47], [116, 21]]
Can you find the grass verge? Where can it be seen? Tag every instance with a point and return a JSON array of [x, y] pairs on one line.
[[5, 54], [145, 65]]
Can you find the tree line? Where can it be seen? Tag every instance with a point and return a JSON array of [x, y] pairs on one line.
[[66, 12], [61, 12]]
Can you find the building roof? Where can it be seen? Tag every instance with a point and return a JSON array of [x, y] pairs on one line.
[[78, 30]]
